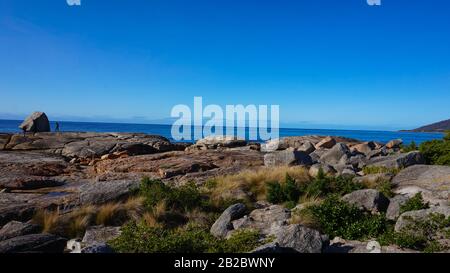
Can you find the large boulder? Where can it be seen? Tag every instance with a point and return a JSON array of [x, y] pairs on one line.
[[265, 220], [36, 122], [223, 224], [397, 161], [327, 170], [395, 203], [213, 142], [100, 235], [409, 218], [33, 243], [334, 155], [15, 229], [368, 199], [106, 191], [287, 158], [326, 143], [364, 148], [307, 147], [432, 181], [396, 143], [300, 238]]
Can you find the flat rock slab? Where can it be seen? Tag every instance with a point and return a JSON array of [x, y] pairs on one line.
[[433, 181], [46, 243]]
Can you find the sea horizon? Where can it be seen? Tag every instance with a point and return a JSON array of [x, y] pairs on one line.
[[383, 136]]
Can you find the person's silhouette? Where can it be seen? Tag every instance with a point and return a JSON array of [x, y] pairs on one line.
[[57, 127]]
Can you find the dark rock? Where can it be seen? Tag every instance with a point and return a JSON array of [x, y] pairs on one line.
[[265, 220], [100, 235], [106, 191], [369, 199], [334, 155], [300, 239], [33, 243], [398, 161], [393, 211], [223, 225], [15, 229], [98, 248], [287, 158], [36, 122]]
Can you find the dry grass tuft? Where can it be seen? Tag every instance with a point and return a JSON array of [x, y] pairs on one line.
[[253, 182], [48, 220]]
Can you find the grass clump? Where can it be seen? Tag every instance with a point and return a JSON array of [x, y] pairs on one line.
[[414, 203], [251, 185], [379, 170]]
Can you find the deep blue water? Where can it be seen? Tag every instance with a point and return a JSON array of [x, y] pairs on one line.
[[9, 126]]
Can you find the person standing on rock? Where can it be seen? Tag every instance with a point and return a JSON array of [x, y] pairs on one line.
[[57, 127]]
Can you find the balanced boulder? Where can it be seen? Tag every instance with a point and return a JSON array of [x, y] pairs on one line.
[[36, 122]]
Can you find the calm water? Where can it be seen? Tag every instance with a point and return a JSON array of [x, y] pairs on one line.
[[11, 126]]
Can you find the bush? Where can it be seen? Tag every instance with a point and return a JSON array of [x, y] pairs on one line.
[[420, 235], [437, 152], [323, 185], [140, 238], [278, 193], [338, 218], [186, 197], [414, 203], [410, 148]]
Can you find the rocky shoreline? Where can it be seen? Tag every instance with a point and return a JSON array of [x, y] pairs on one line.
[[66, 171]]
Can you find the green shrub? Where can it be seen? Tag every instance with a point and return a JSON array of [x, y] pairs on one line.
[[437, 152], [385, 187], [410, 148], [419, 235], [241, 241], [278, 193], [414, 203], [338, 218], [186, 197], [323, 185], [139, 238]]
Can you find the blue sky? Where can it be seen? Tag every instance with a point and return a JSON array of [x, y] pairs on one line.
[[332, 64]]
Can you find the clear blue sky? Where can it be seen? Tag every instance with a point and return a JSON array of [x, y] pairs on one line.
[[327, 63]]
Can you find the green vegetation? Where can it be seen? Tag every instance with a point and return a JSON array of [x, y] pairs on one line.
[[409, 148], [277, 193], [140, 238], [420, 235], [414, 203], [379, 169], [338, 218], [321, 186], [385, 187], [437, 152]]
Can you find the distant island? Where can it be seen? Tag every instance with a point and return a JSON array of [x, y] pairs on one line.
[[440, 126]]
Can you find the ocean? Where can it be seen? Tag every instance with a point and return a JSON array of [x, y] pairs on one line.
[[11, 126]]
